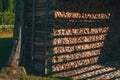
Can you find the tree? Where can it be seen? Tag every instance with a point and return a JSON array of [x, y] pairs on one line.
[[1, 6], [15, 54], [10, 5]]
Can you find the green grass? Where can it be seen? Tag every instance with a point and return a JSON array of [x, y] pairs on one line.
[[6, 41], [25, 77]]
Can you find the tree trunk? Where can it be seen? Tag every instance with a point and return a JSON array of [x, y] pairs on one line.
[[16, 51], [15, 55]]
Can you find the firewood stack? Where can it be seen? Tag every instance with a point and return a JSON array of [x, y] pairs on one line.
[[78, 34], [67, 38], [64, 35], [77, 47]]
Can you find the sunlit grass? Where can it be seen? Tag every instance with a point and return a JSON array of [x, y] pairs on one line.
[[25, 77], [6, 34]]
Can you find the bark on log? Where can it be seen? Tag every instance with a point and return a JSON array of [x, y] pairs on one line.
[[15, 55]]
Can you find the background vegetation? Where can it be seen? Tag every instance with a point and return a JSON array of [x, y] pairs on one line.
[[6, 30], [7, 12]]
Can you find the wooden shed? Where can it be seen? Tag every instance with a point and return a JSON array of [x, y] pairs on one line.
[[57, 36]]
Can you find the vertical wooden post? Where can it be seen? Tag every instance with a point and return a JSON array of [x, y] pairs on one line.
[[32, 41], [46, 35]]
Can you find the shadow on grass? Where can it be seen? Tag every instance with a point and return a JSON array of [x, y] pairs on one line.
[[5, 50]]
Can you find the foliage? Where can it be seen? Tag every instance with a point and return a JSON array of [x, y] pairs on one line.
[[1, 5], [10, 5], [7, 18], [1, 18], [6, 12], [6, 5], [6, 28]]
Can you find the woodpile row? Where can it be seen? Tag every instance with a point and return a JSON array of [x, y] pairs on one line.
[[76, 15], [74, 50], [92, 72]]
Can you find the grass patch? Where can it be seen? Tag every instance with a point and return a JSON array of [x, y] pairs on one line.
[[6, 35], [6, 40], [18, 73], [24, 77]]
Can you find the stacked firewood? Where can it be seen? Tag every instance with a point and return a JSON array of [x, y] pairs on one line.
[[63, 14], [93, 72], [76, 46]]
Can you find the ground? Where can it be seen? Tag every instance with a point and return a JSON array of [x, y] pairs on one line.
[[6, 41]]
